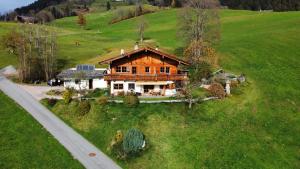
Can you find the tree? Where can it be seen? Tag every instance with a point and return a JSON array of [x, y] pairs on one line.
[[174, 3], [35, 47], [67, 96], [199, 21], [199, 51], [138, 8], [108, 6], [81, 20], [142, 26], [199, 27]]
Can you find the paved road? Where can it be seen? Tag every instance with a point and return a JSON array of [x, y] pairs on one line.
[[79, 147]]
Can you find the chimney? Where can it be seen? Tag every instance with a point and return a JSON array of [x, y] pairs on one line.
[[122, 51], [136, 46], [156, 48]]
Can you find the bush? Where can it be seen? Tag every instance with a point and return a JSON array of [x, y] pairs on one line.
[[67, 96], [84, 107], [102, 100], [133, 142], [121, 94], [51, 102], [131, 100], [97, 93], [54, 93], [217, 90], [116, 145], [198, 71]]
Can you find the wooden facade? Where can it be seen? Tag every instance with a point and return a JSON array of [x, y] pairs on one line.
[[145, 64]]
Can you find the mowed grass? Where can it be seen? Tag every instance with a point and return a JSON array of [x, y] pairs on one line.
[[258, 127], [26, 144]]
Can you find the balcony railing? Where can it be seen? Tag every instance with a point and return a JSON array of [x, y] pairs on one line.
[[157, 77]]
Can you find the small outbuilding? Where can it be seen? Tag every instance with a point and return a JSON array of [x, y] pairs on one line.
[[83, 77]]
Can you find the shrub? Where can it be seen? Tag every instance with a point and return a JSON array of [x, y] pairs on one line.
[[217, 90], [51, 102], [67, 96], [131, 100], [102, 100], [122, 93], [84, 107], [97, 93], [133, 142], [116, 145], [200, 70], [54, 93]]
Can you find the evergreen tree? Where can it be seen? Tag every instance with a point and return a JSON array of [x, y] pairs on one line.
[[108, 6]]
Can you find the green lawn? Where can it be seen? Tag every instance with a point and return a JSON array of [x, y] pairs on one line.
[[258, 128], [26, 144]]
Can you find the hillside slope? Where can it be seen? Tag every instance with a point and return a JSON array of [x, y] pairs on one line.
[[256, 128]]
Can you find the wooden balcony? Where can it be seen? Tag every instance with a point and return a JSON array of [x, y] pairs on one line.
[[158, 77]]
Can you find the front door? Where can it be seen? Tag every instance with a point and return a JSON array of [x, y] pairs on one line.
[[91, 84], [148, 88]]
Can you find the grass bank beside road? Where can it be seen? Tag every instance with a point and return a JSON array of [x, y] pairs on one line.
[[26, 144]]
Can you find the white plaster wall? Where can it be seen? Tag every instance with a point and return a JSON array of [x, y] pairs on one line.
[[170, 92], [125, 86], [139, 88], [99, 83], [84, 84], [156, 88]]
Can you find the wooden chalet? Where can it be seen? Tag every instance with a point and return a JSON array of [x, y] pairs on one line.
[[145, 71]]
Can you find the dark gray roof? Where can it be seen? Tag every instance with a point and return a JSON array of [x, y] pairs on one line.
[[87, 74]]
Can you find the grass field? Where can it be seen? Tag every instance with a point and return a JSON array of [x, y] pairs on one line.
[[25, 144], [258, 128]]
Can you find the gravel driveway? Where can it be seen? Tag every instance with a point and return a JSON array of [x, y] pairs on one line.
[[39, 92]]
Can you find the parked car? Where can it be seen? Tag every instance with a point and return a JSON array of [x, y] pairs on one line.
[[54, 82]]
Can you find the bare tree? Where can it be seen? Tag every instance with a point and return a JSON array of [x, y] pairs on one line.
[[199, 26], [199, 51], [138, 8], [141, 27], [199, 21], [35, 47]]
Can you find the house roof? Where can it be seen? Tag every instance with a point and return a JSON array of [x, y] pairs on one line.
[[146, 49], [88, 72]]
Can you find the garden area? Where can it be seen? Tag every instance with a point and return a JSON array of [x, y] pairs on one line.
[[187, 134]]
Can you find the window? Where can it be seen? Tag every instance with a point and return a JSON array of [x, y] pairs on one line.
[[118, 86], [161, 87], [124, 69], [118, 69], [147, 69], [131, 86], [162, 69], [168, 70], [133, 70]]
